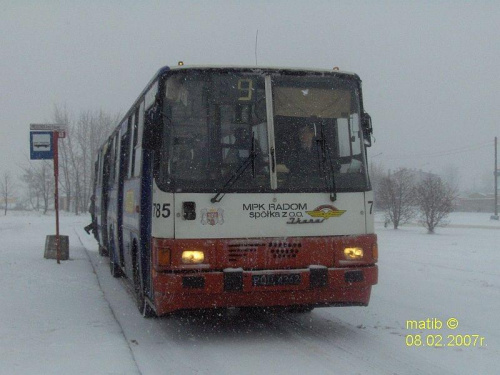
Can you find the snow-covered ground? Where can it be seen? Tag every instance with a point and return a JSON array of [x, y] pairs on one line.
[[455, 220], [75, 318]]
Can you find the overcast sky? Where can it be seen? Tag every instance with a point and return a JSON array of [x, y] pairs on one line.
[[430, 70]]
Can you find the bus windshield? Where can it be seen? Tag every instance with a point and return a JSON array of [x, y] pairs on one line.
[[212, 116], [317, 134]]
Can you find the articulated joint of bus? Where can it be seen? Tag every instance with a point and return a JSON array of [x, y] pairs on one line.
[[292, 271]]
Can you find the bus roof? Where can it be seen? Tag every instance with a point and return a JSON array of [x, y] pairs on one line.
[[257, 68]]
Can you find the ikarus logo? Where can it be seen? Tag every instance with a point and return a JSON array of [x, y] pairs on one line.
[[325, 212], [319, 215]]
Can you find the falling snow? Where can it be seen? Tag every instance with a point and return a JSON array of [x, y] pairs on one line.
[[75, 318]]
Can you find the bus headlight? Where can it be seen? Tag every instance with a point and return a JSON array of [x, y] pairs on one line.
[[352, 253], [193, 257]]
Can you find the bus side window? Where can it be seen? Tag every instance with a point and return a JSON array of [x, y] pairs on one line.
[[111, 171], [130, 172], [137, 141], [98, 168], [125, 169], [116, 173], [124, 157]]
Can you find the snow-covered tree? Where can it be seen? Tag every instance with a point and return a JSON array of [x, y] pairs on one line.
[[396, 195], [435, 200]]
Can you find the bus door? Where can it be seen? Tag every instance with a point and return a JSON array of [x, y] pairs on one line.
[[93, 198], [124, 157], [103, 203]]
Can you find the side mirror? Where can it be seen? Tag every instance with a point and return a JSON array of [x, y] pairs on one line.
[[366, 125]]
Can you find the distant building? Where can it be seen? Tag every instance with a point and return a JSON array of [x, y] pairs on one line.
[[13, 203], [476, 202]]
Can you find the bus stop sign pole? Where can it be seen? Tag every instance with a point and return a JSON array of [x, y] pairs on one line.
[[55, 137]]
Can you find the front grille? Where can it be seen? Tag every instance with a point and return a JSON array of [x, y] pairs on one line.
[[276, 249], [240, 250], [284, 249]]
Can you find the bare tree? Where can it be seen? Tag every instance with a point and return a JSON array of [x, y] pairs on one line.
[[33, 193], [90, 131], [396, 195], [44, 174], [435, 199], [78, 150], [77, 154], [40, 179], [6, 189]]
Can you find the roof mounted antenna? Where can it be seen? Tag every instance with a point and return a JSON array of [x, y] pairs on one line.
[[256, 39]]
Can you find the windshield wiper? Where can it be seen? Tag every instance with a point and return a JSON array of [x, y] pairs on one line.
[[250, 160], [326, 164]]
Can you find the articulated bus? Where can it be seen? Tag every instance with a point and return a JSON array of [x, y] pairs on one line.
[[240, 187]]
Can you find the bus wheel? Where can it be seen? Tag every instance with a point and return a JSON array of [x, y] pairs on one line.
[[144, 308]]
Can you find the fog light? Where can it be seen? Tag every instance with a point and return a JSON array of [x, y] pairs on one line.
[[353, 253], [192, 257]]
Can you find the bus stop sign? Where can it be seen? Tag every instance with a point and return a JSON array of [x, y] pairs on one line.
[[41, 145], [42, 140]]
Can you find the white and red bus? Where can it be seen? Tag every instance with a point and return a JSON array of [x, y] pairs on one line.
[[240, 187]]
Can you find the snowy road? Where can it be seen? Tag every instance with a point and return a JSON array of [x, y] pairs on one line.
[[454, 273]]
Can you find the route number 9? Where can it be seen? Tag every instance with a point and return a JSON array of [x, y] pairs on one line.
[[246, 87]]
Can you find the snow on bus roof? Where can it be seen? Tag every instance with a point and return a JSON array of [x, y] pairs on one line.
[[258, 68]]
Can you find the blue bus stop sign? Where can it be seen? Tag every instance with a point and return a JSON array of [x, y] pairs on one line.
[[41, 146]]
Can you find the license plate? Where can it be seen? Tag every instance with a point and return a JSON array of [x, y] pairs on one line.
[[276, 279]]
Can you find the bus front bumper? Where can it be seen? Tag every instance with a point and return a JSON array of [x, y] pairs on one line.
[[313, 286]]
